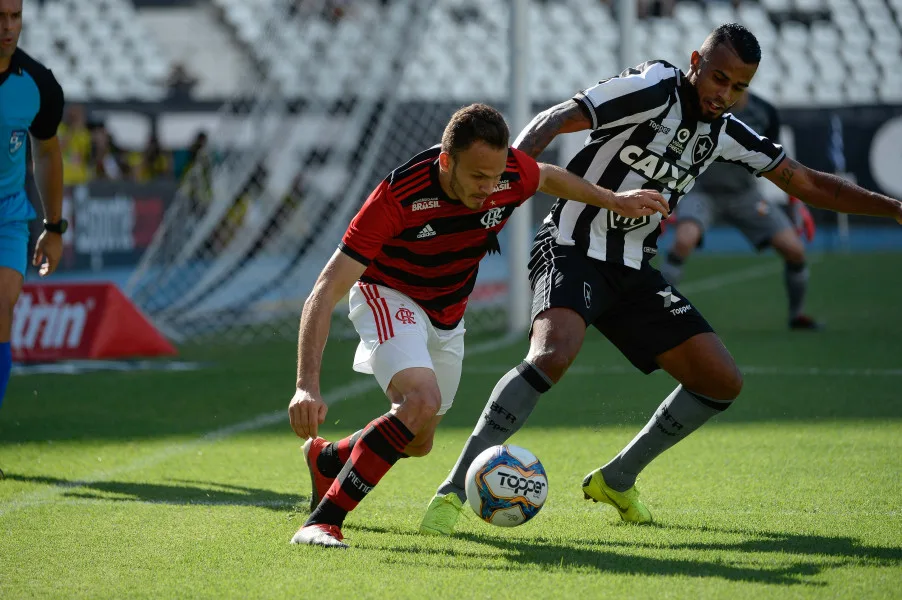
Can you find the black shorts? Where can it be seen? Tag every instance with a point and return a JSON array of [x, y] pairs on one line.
[[637, 310]]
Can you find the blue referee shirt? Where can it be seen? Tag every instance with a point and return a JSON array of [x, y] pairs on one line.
[[30, 101]]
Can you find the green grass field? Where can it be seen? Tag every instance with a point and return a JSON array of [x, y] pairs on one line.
[[190, 484]]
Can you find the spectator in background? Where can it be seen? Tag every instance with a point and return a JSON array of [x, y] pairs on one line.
[[336, 10], [180, 82], [195, 152], [153, 162], [195, 176], [106, 158], [75, 142], [647, 8], [291, 202], [654, 8]]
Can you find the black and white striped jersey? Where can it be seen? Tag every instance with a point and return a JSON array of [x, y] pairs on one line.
[[643, 138]]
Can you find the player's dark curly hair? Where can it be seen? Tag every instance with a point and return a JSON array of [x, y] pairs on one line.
[[477, 122], [739, 38]]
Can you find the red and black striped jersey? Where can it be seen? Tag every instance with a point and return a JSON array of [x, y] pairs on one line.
[[415, 239]]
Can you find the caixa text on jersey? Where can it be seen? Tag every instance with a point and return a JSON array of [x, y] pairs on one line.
[[656, 167]]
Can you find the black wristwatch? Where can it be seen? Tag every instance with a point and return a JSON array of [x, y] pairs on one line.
[[59, 227]]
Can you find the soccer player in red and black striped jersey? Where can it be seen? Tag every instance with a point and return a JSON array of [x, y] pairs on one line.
[[408, 262]]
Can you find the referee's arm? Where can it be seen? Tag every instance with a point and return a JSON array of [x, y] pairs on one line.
[[48, 172], [48, 158], [47, 153]]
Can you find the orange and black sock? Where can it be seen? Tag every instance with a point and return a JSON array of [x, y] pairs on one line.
[[379, 447], [335, 455]]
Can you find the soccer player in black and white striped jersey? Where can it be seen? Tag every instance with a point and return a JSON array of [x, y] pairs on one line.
[[652, 127]]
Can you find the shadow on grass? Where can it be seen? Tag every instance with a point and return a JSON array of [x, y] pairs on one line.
[[181, 492], [786, 543], [617, 557]]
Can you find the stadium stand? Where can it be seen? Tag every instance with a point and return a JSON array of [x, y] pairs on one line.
[[854, 45], [98, 50], [300, 106], [111, 55]]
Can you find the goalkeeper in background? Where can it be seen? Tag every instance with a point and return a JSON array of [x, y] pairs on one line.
[[730, 193]]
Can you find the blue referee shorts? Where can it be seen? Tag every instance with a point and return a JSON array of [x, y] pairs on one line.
[[15, 213]]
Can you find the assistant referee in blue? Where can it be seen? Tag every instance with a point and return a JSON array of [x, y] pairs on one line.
[[31, 101]]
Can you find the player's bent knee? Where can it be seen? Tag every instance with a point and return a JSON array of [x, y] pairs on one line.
[[792, 254], [554, 362], [724, 383], [423, 404], [418, 450], [554, 348], [730, 385], [789, 245]]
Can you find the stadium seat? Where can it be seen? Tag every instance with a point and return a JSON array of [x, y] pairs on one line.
[[859, 93], [829, 95], [777, 6], [890, 90], [719, 13], [838, 36], [61, 32], [794, 94], [808, 6], [823, 36]]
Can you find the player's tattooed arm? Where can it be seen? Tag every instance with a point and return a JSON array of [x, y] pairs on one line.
[[566, 117], [828, 191], [559, 182]]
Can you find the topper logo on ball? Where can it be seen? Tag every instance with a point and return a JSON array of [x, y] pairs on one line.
[[520, 484]]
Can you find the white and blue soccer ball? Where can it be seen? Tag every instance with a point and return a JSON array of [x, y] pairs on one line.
[[506, 485]]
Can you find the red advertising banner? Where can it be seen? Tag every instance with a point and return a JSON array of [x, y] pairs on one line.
[[81, 321]]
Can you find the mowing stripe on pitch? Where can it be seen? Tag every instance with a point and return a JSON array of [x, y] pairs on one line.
[[333, 396], [746, 370]]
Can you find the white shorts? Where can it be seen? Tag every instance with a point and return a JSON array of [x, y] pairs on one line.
[[396, 334]]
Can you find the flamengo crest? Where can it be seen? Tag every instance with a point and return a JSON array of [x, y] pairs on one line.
[[405, 316], [492, 218]]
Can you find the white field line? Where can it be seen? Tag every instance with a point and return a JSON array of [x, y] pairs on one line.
[[719, 281], [333, 396]]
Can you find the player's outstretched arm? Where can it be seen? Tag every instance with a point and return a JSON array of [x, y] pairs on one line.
[[831, 192], [566, 117], [307, 411], [561, 183]]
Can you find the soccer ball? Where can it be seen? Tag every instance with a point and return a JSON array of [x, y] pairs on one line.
[[506, 485]]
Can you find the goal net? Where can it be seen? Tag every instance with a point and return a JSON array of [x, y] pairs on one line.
[[341, 96]]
